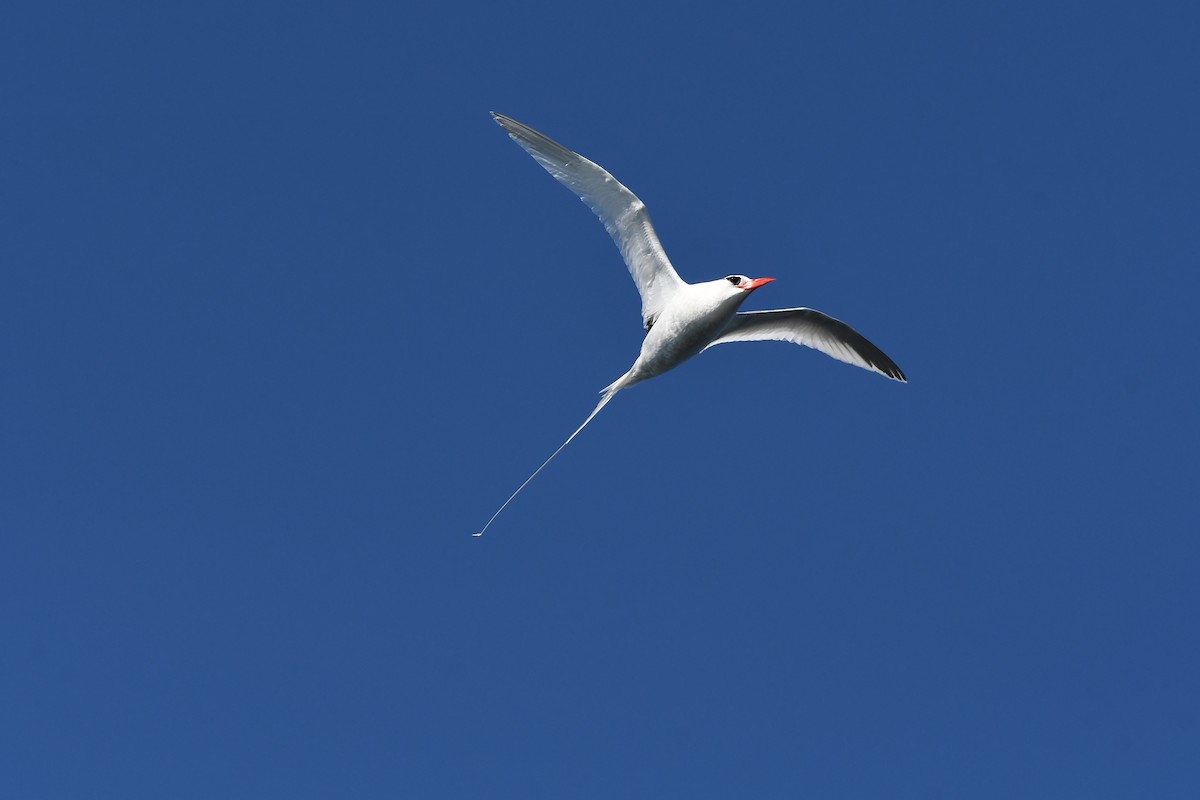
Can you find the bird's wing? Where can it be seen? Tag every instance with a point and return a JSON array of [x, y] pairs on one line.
[[622, 213], [811, 329]]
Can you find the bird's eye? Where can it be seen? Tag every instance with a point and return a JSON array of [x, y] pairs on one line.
[[734, 279]]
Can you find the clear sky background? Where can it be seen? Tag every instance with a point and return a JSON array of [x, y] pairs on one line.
[[284, 316]]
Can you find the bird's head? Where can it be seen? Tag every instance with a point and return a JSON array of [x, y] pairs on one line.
[[743, 284]]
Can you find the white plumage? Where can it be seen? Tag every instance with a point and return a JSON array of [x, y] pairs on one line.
[[681, 319]]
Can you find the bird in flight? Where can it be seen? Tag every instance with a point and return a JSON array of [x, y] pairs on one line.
[[681, 319]]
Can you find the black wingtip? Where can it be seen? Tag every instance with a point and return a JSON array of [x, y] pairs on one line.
[[890, 370]]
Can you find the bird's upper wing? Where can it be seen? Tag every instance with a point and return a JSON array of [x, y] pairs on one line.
[[622, 213], [811, 329]]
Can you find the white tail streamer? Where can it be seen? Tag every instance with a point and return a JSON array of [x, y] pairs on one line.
[[608, 393]]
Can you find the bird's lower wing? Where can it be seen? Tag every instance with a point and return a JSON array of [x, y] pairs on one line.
[[623, 214], [811, 329]]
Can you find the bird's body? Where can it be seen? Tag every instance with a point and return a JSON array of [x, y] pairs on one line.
[[695, 315], [681, 319]]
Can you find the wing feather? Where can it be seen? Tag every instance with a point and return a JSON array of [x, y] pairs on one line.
[[623, 214], [813, 329]]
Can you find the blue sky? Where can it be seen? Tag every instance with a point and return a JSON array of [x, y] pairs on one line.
[[285, 316]]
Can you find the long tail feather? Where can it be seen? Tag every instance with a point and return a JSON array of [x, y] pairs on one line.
[[607, 394]]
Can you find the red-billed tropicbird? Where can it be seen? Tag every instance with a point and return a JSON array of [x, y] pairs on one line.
[[681, 319]]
